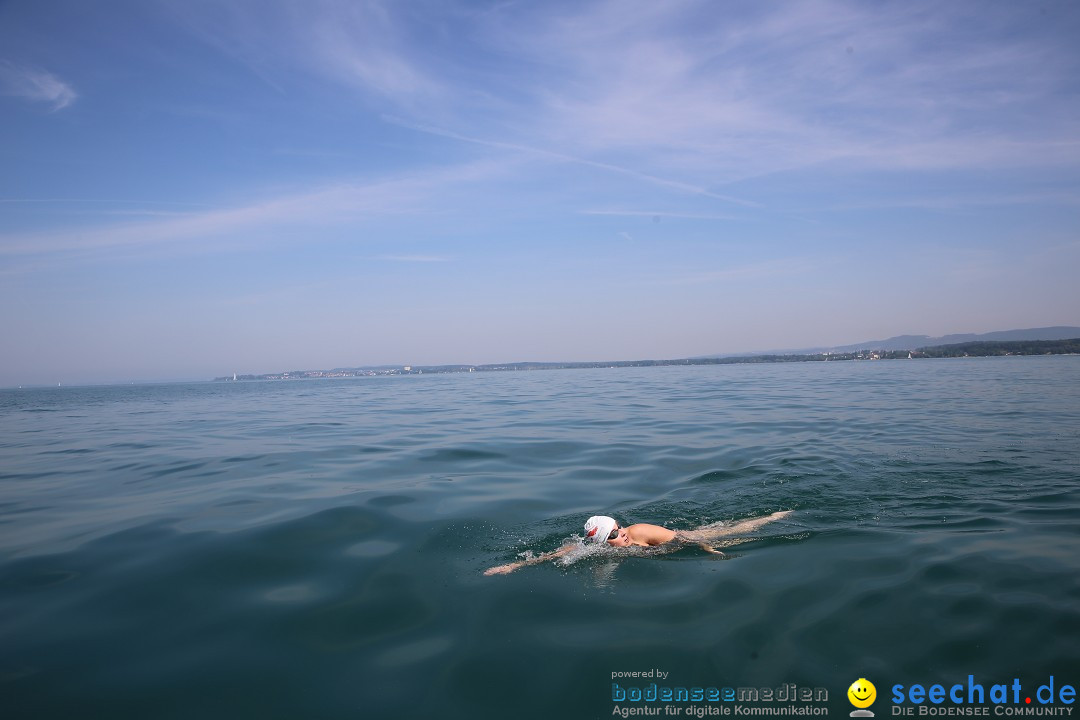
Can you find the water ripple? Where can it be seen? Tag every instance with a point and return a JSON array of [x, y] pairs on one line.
[[310, 548]]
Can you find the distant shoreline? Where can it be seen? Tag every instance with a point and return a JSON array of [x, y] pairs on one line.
[[968, 349]]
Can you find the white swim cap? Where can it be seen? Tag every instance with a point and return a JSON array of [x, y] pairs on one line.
[[598, 527]]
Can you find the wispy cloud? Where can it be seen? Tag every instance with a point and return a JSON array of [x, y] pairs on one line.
[[782, 267], [781, 86], [657, 215], [563, 157], [278, 294], [327, 206], [704, 98], [35, 84], [97, 201], [956, 201], [689, 96], [363, 45], [414, 258]]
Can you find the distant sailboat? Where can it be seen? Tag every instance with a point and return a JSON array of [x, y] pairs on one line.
[[234, 377]]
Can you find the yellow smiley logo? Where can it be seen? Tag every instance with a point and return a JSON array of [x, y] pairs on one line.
[[862, 693]]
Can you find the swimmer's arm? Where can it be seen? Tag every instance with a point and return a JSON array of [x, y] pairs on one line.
[[704, 546], [542, 557]]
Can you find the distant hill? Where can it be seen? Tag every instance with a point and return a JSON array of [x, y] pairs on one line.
[[907, 347], [913, 342]]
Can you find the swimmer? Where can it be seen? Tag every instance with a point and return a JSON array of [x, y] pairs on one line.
[[601, 528]]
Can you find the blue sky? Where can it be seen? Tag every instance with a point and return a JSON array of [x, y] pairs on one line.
[[194, 188]]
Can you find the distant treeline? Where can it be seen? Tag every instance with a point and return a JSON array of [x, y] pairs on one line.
[[968, 349], [1013, 347]]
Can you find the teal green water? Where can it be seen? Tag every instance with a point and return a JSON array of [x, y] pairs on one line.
[[315, 548]]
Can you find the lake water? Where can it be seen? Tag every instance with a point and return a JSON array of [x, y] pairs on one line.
[[315, 549]]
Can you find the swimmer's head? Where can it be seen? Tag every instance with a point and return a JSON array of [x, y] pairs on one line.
[[599, 528]]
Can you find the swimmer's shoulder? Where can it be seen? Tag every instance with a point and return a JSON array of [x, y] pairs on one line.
[[647, 534]]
